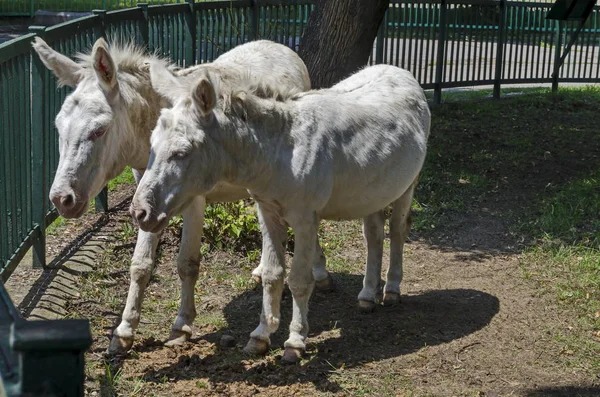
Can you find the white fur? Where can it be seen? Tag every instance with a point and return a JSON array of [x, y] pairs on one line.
[[340, 153], [113, 94]]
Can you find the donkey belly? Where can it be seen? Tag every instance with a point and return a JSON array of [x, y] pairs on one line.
[[351, 199]]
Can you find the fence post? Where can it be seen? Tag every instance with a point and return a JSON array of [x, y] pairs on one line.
[[439, 62], [144, 26], [380, 40], [500, 49], [50, 356], [254, 20], [101, 201], [99, 30], [190, 34], [39, 158], [558, 43]]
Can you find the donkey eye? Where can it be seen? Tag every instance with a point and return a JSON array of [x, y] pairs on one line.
[[97, 133], [179, 155]]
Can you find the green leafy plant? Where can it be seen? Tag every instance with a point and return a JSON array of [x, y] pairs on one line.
[[232, 226]]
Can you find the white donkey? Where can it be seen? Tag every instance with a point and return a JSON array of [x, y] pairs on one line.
[[105, 125], [338, 153]]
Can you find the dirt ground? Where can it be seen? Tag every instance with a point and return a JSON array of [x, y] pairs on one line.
[[469, 324]]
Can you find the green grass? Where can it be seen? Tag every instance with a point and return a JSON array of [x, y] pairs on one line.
[[126, 177], [543, 149]]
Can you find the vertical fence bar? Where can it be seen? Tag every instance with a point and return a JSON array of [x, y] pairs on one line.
[[254, 10], [190, 34], [439, 61], [558, 44], [380, 41], [38, 153], [145, 26], [99, 30], [500, 50]]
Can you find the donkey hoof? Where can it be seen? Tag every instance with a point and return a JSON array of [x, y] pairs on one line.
[[177, 338], [256, 347], [325, 285], [119, 345], [391, 299], [291, 355], [366, 306]]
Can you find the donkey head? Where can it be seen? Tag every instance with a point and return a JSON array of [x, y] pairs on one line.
[[185, 160], [89, 124]]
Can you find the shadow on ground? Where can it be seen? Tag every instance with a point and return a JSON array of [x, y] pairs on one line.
[[339, 335], [52, 273], [567, 391]]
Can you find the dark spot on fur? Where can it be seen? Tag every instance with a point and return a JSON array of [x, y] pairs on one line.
[[392, 126]]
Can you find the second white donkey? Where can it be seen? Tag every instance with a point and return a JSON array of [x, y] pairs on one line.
[[340, 153]]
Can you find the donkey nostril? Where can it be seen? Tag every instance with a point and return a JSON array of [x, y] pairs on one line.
[[140, 215], [67, 200]]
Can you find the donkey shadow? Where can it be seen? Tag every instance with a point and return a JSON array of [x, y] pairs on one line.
[[430, 318]]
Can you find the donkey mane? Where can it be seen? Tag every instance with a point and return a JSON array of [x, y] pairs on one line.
[[127, 56]]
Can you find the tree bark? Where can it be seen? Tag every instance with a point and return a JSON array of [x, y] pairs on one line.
[[339, 38]]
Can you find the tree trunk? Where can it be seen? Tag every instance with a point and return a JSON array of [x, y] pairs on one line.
[[339, 38]]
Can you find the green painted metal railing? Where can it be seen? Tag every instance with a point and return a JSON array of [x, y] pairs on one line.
[[188, 33], [452, 43]]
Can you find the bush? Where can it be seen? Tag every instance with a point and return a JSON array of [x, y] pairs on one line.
[[232, 226]]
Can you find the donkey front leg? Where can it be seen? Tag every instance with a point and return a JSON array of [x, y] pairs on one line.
[[370, 295], [400, 223], [140, 272], [274, 234], [301, 283], [188, 263]]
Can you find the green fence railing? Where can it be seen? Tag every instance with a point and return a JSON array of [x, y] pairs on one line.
[[187, 33], [27, 8]]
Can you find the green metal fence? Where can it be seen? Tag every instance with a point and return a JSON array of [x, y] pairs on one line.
[[188, 33], [28, 8], [445, 43]]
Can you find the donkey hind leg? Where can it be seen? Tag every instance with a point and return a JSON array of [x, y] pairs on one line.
[[370, 294], [140, 271], [301, 283], [324, 282], [400, 223], [188, 263], [274, 235]]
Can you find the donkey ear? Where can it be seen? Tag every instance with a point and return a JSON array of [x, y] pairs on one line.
[[204, 95], [165, 83], [65, 69], [104, 65]]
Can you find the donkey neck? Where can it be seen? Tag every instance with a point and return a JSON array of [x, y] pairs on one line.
[[254, 144], [141, 106]]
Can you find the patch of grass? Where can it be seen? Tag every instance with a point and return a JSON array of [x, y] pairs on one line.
[[215, 319], [541, 149], [565, 259], [127, 231], [126, 178], [55, 226]]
